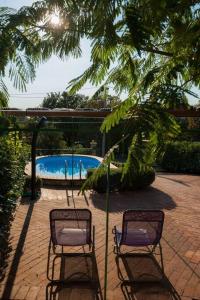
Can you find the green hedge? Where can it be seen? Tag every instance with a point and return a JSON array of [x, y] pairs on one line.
[[136, 181], [84, 151], [13, 157], [182, 157]]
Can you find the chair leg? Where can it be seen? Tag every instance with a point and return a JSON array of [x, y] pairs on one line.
[[48, 260], [50, 277], [48, 288], [119, 273], [153, 253], [93, 239], [161, 257], [116, 250], [125, 291], [118, 268]]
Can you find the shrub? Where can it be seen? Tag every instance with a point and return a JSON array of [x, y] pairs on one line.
[[13, 157], [86, 151], [101, 183], [38, 183], [182, 157], [136, 181]]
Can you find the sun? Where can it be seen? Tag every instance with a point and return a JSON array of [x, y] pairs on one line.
[[55, 19]]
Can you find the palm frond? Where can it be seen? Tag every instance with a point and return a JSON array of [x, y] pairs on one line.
[[4, 96], [21, 71], [77, 83], [118, 114], [108, 158]]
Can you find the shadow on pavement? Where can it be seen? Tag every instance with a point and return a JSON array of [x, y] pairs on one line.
[[174, 180], [75, 277], [144, 279], [18, 253], [149, 198]]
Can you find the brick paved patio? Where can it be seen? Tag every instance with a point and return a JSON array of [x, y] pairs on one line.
[[177, 195]]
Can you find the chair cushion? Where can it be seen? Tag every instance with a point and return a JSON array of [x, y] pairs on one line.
[[72, 236], [137, 237], [134, 237]]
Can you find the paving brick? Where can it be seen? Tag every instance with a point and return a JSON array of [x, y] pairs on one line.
[[196, 257], [173, 193], [32, 293], [22, 292]]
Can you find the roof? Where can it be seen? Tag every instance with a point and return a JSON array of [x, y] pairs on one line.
[[34, 112]]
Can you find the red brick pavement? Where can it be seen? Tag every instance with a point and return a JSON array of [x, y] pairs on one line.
[[177, 195]]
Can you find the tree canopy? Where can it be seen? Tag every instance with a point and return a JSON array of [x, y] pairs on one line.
[[152, 44], [63, 100], [18, 51], [146, 48]]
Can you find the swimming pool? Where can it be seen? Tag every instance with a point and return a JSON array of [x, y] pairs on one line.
[[65, 166]]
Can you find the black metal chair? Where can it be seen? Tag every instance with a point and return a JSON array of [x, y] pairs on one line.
[[140, 229], [70, 228]]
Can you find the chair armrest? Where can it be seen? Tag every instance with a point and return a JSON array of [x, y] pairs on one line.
[[117, 243]]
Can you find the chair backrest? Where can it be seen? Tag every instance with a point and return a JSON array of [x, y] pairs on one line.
[[70, 227], [142, 227]]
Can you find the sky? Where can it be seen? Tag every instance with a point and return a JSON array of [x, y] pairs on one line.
[[53, 75]]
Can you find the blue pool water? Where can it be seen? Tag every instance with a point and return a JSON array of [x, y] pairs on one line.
[[59, 165]]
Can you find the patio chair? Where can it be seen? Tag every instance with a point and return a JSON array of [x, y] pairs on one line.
[[141, 229], [70, 228]]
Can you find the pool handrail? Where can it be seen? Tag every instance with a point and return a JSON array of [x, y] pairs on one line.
[[66, 167], [80, 169]]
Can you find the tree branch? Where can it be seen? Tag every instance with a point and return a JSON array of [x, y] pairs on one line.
[[157, 51]]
